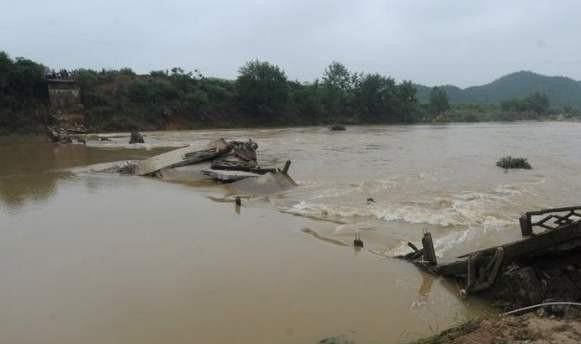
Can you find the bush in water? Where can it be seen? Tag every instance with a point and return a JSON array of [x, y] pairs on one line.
[[510, 162]]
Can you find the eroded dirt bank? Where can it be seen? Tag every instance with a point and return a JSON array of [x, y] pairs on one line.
[[529, 328]]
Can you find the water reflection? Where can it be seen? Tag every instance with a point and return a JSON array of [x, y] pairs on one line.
[[32, 168], [426, 286], [15, 191]]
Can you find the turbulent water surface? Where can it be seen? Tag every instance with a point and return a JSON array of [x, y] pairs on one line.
[[89, 257]]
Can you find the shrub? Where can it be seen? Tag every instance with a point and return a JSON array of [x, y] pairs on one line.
[[510, 162]]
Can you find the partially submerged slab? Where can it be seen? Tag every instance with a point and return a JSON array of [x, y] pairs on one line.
[[262, 185], [180, 157], [220, 160]]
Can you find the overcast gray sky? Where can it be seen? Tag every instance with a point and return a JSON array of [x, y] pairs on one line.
[[461, 42]]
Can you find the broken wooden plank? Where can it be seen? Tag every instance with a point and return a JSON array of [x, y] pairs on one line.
[[480, 269], [550, 241], [228, 175], [428, 249], [240, 165]]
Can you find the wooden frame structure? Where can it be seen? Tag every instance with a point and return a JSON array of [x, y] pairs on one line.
[[479, 269]]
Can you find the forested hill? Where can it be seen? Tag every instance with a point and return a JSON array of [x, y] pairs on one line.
[[561, 91]]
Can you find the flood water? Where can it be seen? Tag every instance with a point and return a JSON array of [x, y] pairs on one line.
[[90, 257]]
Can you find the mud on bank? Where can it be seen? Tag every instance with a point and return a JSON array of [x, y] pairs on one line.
[[530, 328]]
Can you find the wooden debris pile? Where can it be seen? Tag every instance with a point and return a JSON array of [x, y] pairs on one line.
[[541, 266], [221, 160], [67, 135]]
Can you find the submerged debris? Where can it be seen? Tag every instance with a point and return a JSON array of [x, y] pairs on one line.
[[337, 127], [510, 162], [221, 160], [336, 340], [357, 242], [67, 135], [136, 137]]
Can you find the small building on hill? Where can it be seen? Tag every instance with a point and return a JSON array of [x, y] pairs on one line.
[[64, 96]]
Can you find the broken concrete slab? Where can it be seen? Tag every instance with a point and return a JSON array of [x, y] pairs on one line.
[[181, 157], [266, 184]]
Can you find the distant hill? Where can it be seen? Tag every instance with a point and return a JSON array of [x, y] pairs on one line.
[[562, 91]]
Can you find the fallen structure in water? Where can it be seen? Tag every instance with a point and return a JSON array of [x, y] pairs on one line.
[[220, 160], [543, 266], [58, 134]]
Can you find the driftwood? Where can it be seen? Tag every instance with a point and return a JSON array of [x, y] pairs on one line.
[[478, 270], [245, 151], [238, 165]]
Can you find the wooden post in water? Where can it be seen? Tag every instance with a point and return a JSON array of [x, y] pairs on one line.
[[286, 167], [525, 225], [429, 252]]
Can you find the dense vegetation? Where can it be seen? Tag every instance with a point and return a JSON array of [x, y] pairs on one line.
[[536, 105], [561, 91], [22, 93], [261, 95]]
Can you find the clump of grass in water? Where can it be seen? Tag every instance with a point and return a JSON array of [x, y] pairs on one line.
[[337, 127], [510, 162]]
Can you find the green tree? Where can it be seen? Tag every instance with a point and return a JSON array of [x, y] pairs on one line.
[[262, 88], [337, 84], [538, 103], [337, 76], [306, 102], [533, 106], [407, 102], [375, 97], [439, 103]]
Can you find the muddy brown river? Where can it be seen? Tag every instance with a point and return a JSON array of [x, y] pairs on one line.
[[99, 258]]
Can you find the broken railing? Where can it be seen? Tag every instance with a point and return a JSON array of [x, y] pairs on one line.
[[554, 218], [478, 270]]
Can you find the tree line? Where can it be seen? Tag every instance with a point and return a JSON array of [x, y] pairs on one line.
[[261, 95]]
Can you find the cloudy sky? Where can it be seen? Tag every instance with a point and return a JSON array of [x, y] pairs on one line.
[[461, 42]]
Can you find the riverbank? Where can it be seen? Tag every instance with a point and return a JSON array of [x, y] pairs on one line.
[[179, 124], [529, 328]]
